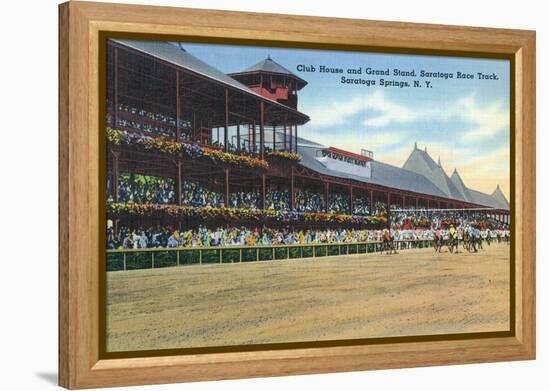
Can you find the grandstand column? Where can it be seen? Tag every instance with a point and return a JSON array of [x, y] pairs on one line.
[[351, 200], [427, 203], [371, 201], [194, 125], [115, 87], [296, 137], [274, 138], [254, 136], [262, 139], [239, 134], [178, 183], [284, 137], [226, 126], [250, 138], [226, 186], [326, 196], [115, 176], [388, 205], [289, 138], [292, 189], [263, 191], [403, 202], [178, 103]]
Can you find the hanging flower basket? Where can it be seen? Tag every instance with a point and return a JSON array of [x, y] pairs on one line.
[[185, 150], [283, 156], [235, 215]]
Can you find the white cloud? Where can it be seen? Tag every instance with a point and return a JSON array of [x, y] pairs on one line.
[[335, 113], [371, 141], [483, 119], [387, 111], [487, 120]]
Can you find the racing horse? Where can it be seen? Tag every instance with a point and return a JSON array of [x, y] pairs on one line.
[[470, 242], [453, 243], [438, 242], [388, 243]]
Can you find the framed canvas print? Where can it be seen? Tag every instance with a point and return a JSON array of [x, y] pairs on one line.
[[254, 195]]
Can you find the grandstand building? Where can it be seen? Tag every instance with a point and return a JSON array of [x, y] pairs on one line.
[[171, 115]]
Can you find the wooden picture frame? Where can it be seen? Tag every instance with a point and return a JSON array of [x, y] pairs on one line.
[[81, 25]]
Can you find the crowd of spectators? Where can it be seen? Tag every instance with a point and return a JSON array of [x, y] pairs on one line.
[[151, 189], [379, 208], [307, 201], [154, 237], [425, 218], [360, 206], [145, 189], [245, 199], [338, 203], [197, 195], [277, 199], [138, 119], [235, 236]]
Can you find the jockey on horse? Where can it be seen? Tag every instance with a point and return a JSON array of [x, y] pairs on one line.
[[438, 240], [453, 239], [387, 242]]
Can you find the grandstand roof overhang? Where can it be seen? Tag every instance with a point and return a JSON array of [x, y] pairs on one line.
[[204, 85]]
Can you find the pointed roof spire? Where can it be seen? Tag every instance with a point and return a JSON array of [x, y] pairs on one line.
[[415, 145], [426, 149], [500, 197], [439, 161]]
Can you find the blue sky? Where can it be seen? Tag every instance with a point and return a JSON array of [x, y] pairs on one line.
[[464, 122]]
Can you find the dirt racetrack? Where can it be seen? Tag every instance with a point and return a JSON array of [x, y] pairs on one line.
[[358, 296]]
